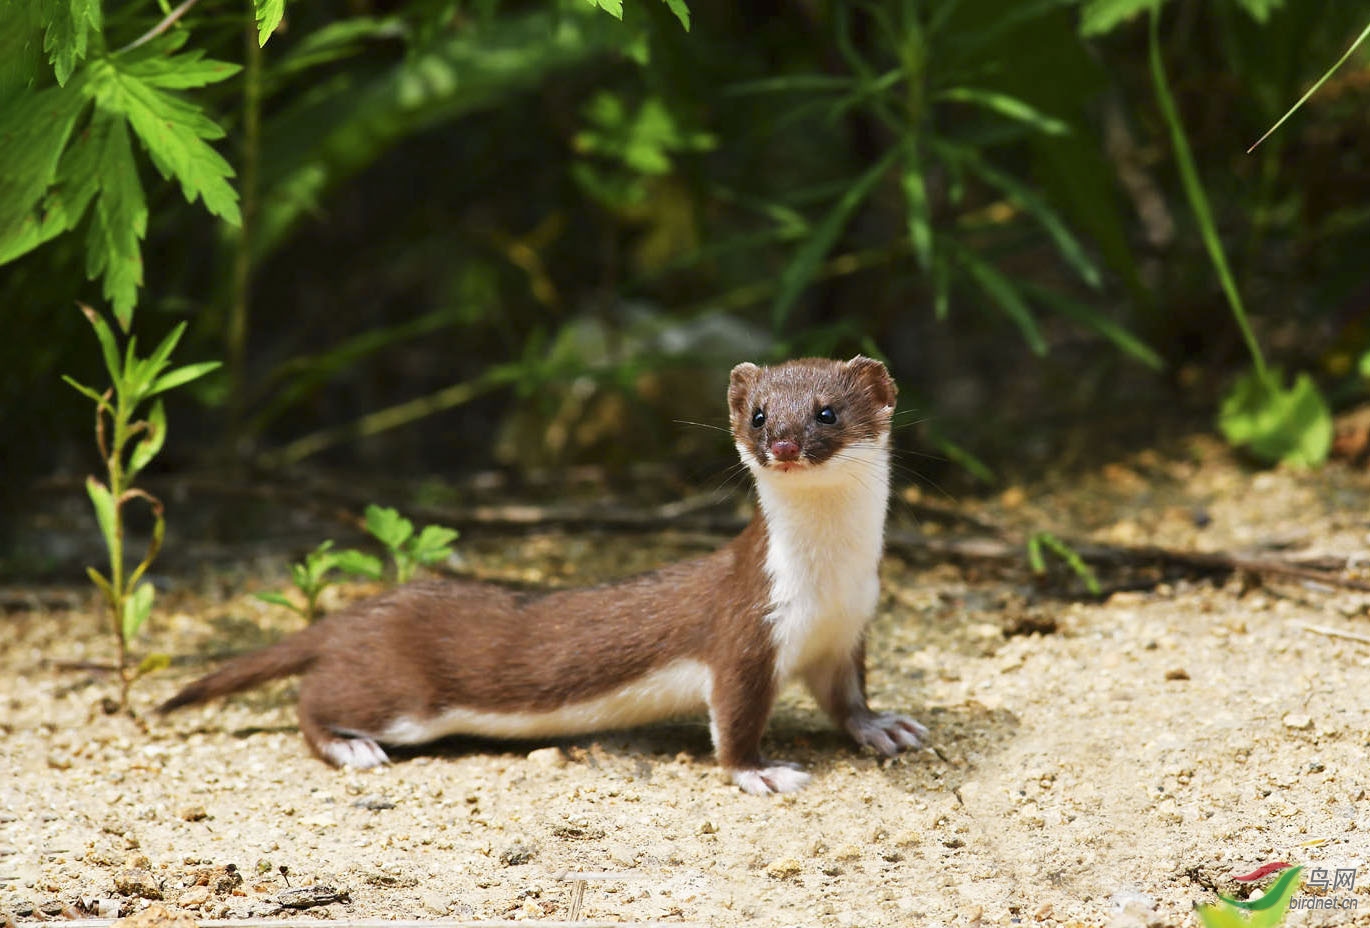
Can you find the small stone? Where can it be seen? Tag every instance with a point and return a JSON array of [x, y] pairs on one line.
[[107, 908], [137, 882], [193, 813], [621, 855], [847, 852], [51, 907], [434, 903], [1177, 673], [374, 803], [1298, 721], [194, 897], [516, 855], [306, 897], [554, 758], [531, 909], [157, 916], [707, 828], [786, 868]]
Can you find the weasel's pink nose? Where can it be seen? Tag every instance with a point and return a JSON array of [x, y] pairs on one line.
[[783, 449]]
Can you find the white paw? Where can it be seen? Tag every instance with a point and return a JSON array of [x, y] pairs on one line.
[[354, 752], [887, 732], [777, 778]]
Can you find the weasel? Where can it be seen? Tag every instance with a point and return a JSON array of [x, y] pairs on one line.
[[790, 597]]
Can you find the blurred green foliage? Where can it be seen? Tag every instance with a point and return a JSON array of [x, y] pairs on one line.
[[403, 209]]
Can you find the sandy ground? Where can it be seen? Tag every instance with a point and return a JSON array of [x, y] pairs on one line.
[[1104, 763]]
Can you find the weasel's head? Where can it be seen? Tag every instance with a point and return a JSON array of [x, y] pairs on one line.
[[806, 416]]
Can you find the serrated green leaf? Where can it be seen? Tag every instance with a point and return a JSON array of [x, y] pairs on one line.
[[1098, 17], [179, 72], [681, 11], [151, 443], [137, 607], [613, 7], [174, 132], [70, 23], [106, 512], [269, 16], [119, 222], [388, 525], [1004, 293], [807, 259], [182, 375], [1005, 105]]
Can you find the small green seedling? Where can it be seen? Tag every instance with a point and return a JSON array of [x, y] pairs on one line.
[[1039, 540], [311, 576], [408, 551], [117, 427], [1266, 912]]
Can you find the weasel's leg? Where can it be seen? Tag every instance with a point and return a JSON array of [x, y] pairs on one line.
[[740, 704], [839, 686], [332, 745]]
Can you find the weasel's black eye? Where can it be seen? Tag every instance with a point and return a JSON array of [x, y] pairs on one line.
[[758, 419], [827, 416]]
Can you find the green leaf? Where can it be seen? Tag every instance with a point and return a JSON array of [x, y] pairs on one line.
[[613, 7], [357, 563], [162, 354], [276, 599], [1363, 366], [1026, 199], [152, 442], [1005, 105], [681, 11], [919, 211], [269, 16], [388, 525], [1260, 10], [99, 580], [159, 68], [1292, 426], [1101, 16], [433, 544], [66, 41], [182, 375], [106, 512], [807, 259], [174, 133], [1003, 292], [152, 663], [83, 389], [1094, 319], [34, 129], [1217, 916], [114, 240], [137, 607]]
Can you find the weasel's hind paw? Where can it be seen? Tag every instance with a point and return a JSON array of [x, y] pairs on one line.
[[354, 751], [888, 733], [777, 777]]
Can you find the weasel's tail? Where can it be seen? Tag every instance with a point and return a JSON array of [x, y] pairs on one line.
[[291, 656]]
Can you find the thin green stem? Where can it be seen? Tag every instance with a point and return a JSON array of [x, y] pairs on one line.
[[240, 310], [1198, 200]]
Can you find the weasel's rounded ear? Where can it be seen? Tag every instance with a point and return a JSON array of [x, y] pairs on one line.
[[872, 375], [740, 383]]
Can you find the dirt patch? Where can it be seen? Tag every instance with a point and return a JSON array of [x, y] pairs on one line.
[[1094, 764]]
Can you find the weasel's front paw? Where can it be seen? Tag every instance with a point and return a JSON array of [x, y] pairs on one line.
[[778, 777], [353, 752], [887, 732]]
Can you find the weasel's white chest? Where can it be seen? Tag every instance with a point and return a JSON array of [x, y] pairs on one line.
[[824, 543]]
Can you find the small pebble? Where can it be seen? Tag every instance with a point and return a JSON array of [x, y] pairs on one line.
[[193, 813], [516, 855], [786, 868], [194, 897], [1298, 721], [137, 882], [554, 757]]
